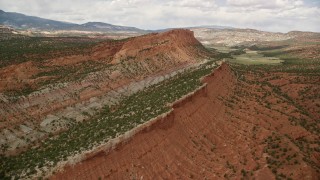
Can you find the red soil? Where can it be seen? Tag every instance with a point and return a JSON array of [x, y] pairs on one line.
[[211, 135], [158, 55], [16, 76], [178, 46], [137, 58], [179, 147]]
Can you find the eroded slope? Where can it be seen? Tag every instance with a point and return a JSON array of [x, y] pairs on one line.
[[233, 129], [41, 98]]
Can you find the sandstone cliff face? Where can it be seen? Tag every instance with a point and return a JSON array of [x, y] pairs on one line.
[[176, 45], [78, 86], [209, 134], [186, 143]]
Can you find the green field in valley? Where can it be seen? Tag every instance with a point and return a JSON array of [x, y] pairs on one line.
[[253, 57], [245, 56]]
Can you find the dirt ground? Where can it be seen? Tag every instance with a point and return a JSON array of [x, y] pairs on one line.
[[229, 131], [46, 96]]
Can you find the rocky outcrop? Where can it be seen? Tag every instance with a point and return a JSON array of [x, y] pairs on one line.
[[210, 134], [164, 143], [176, 45], [122, 68]]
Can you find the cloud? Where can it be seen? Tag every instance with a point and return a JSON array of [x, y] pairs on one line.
[[198, 4], [266, 4], [271, 15]]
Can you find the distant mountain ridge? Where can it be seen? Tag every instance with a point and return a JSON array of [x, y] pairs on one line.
[[21, 21], [33, 23], [211, 27]]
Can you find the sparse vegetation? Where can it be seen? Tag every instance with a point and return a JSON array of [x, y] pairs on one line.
[[267, 118], [131, 111], [274, 97], [22, 49]]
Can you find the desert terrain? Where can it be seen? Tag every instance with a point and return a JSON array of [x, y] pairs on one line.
[[194, 103], [252, 121]]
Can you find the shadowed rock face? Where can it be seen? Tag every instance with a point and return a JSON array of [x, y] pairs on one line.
[[83, 83]]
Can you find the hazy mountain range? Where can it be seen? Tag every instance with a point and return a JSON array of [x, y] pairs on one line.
[[21, 21]]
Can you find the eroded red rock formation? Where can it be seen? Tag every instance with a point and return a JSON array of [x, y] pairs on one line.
[[81, 83], [209, 135], [190, 144]]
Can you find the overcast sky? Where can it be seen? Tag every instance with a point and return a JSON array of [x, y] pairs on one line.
[[269, 15]]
